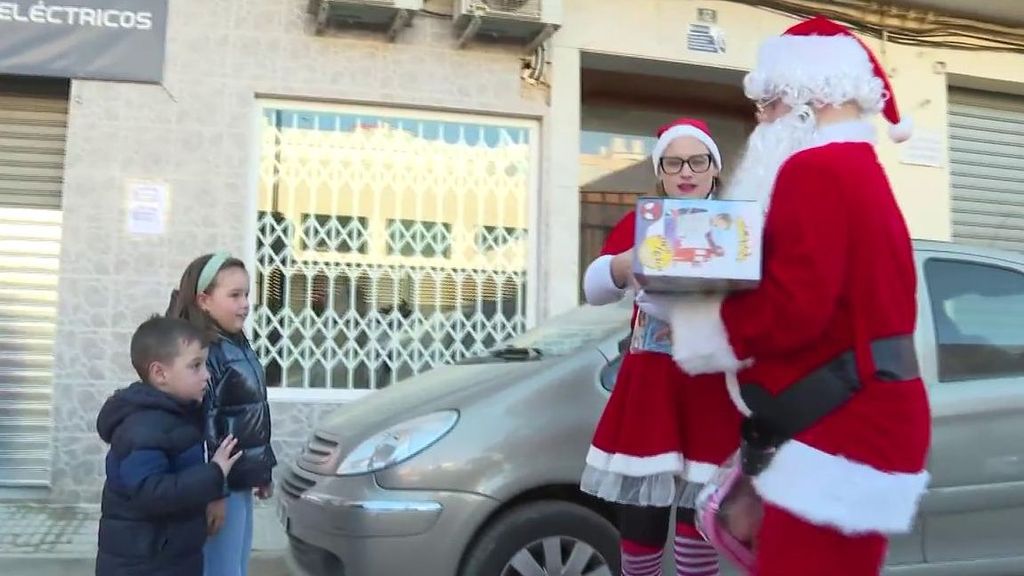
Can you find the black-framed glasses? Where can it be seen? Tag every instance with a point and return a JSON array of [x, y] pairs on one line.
[[698, 164]]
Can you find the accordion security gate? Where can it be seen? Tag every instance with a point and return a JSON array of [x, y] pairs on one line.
[[388, 242]]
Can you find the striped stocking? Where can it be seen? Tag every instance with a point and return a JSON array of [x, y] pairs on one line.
[[694, 556], [640, 560]]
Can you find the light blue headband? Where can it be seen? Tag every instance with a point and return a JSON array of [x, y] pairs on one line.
[[210, 270]]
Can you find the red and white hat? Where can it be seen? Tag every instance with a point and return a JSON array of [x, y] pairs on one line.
[[680, 128], [822, 61]]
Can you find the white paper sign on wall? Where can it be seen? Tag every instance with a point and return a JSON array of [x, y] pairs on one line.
[[925, 148], [147, 207]]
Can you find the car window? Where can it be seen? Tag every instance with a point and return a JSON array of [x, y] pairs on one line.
[[610, 373], [978, 315], [569, 332]]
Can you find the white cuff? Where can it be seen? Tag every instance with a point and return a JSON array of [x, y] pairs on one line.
[[700, 344], [598, 285]]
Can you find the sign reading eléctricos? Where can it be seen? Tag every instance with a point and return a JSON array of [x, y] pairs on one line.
[[90, 39]]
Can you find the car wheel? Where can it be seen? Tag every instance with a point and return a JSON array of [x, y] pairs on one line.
[[546, 539]]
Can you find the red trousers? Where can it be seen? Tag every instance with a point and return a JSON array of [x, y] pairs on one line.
[[789, 546]]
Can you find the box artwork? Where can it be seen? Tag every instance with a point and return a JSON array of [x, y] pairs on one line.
[[691, 245]]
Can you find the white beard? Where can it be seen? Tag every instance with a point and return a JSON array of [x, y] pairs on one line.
[[768, 147]]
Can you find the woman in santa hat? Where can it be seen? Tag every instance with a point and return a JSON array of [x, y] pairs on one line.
[[663, 433]]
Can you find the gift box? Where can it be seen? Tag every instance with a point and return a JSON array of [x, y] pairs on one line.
[[694, 245]]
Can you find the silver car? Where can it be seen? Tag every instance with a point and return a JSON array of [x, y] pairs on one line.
[[472, 470]]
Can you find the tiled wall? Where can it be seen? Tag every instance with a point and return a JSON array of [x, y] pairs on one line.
[[197, 133]]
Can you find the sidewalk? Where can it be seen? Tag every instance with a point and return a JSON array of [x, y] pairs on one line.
[[43, 540]]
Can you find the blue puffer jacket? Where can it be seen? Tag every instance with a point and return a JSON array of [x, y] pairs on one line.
[[236, 403], [158, 484]]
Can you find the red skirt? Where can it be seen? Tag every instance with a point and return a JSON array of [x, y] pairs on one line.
[[662, 435]]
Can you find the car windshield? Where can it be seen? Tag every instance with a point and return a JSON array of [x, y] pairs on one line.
[[569, 332]]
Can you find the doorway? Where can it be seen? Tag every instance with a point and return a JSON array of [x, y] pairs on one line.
[[33, 126], [624, 101]]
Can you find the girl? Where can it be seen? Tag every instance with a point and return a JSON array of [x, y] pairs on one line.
[[214, 295], [663, 433]]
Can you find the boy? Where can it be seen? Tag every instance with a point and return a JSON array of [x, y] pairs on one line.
[[158, 482]]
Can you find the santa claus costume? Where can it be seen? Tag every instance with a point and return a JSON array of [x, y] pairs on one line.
[[823, 348], [663, 433]]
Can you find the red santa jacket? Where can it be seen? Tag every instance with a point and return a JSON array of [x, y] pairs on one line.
[[833, 237], [620, 239]]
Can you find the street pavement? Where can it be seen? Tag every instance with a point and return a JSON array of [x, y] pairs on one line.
[[44, 540], [262, 564]]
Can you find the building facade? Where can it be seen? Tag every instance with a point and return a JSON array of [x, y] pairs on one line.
[[399, 202]]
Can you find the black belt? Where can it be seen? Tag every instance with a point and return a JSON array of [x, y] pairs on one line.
[[777, 418]]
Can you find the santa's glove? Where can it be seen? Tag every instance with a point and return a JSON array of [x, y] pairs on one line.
[[655, 305]]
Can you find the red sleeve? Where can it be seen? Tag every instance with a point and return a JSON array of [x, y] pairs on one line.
[[803, 274], [622, 237]]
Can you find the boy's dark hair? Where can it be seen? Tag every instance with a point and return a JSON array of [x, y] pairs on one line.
[[183, 299], [160, 339]]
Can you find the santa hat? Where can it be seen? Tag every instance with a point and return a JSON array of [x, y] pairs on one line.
[[680, 128], [819, 58]]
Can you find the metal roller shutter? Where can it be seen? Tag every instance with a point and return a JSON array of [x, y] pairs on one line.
[[33, 120], [986, 135]]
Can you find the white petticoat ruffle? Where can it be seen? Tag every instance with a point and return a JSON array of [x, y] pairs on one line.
[[663, 489]]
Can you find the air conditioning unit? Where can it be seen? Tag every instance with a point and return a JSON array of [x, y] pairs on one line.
[[529, 22], [388, 15]]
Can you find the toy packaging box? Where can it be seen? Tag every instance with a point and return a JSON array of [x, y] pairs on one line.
[[695, 245]]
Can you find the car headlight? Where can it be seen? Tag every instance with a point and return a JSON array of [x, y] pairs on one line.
[[398, 443]]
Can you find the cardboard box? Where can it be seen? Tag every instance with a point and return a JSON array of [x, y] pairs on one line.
[[691, 245]]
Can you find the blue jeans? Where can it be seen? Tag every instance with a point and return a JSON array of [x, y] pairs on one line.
[[227, 552]]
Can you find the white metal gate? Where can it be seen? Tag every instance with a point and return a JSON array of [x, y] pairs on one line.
[[33, 120], [388, 241], [986, 134]]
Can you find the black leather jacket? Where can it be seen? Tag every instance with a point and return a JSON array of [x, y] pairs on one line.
[[236, 403]]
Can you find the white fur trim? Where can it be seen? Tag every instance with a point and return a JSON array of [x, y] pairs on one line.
[[598, 285], [636, 466], [829, 490], [700, 344], [816, 69], [681, 131], [851, 131], [732, 385], [654, 306], [902, 130], [700, 472], [813, 55]]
